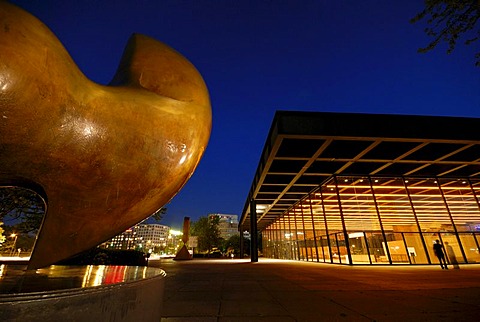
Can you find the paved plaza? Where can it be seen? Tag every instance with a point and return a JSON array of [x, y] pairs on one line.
[[276, 290]]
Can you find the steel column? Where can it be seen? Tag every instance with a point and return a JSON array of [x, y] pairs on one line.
[[304, 231], [313, 227], [416, 220], [387, 248], [253, 231], [345, 234], [451, 220], [326, 229]]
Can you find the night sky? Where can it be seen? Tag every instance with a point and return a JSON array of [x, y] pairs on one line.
[[261, 56]]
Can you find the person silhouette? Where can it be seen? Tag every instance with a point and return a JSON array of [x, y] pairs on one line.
[[438, 250], [451, 256]]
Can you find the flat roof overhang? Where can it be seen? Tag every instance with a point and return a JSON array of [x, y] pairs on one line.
[[304, 149]]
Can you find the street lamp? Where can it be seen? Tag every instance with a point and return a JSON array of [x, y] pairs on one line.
[[14, 243]]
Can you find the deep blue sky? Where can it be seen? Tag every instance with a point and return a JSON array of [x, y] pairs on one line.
[[261, 56]]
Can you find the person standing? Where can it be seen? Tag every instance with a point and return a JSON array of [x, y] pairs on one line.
[[438, 250]]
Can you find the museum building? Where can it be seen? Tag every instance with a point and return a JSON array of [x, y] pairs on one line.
[[367, 189]]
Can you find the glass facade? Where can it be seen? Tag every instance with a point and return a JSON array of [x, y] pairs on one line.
[[380, 220]]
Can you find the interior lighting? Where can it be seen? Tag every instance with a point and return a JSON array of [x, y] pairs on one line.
[[355, 235], [260, 209], [402, 187]]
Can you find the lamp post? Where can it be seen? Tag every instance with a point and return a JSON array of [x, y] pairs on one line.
[[14, 243]]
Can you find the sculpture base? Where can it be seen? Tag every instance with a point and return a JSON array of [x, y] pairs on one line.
[[183, 254], [81, 293]]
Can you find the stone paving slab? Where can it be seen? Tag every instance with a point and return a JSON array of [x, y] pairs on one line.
[[276, 290]]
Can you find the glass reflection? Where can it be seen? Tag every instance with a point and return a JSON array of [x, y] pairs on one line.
[[2, 270], [16, 279], [381, 220]]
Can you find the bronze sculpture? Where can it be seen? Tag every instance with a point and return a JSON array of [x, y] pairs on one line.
[[103, 157]]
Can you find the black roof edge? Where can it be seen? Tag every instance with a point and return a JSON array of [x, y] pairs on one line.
[[355, 124]]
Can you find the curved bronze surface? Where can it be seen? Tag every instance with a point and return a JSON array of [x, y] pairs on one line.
[[105, 156]]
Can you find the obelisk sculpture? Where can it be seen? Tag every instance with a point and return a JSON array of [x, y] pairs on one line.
[[183, 253]]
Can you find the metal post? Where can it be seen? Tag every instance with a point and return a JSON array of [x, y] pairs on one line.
[[304, 231], [478, 204], [242, 251], [452, 221], [416, 220], [292, 242], [387, 248], [277, 239], [338, 248], [253, 232], [406, 248], [288, 242], [326, 229], [345, 234], [299, 257], [313, 227], [368, 247]]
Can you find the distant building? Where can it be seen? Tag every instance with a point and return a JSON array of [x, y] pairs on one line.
[[145, 237], [125, 240], [150, 236], [228, 225]]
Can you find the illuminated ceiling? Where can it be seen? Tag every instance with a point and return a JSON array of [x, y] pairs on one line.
[[304, 149]]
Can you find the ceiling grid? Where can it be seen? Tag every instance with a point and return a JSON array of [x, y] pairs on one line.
[[309, 148]]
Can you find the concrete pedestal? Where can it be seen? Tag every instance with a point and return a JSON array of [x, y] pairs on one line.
[[81, 293]]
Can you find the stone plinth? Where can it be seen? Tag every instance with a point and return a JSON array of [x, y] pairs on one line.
[[81, 293]]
